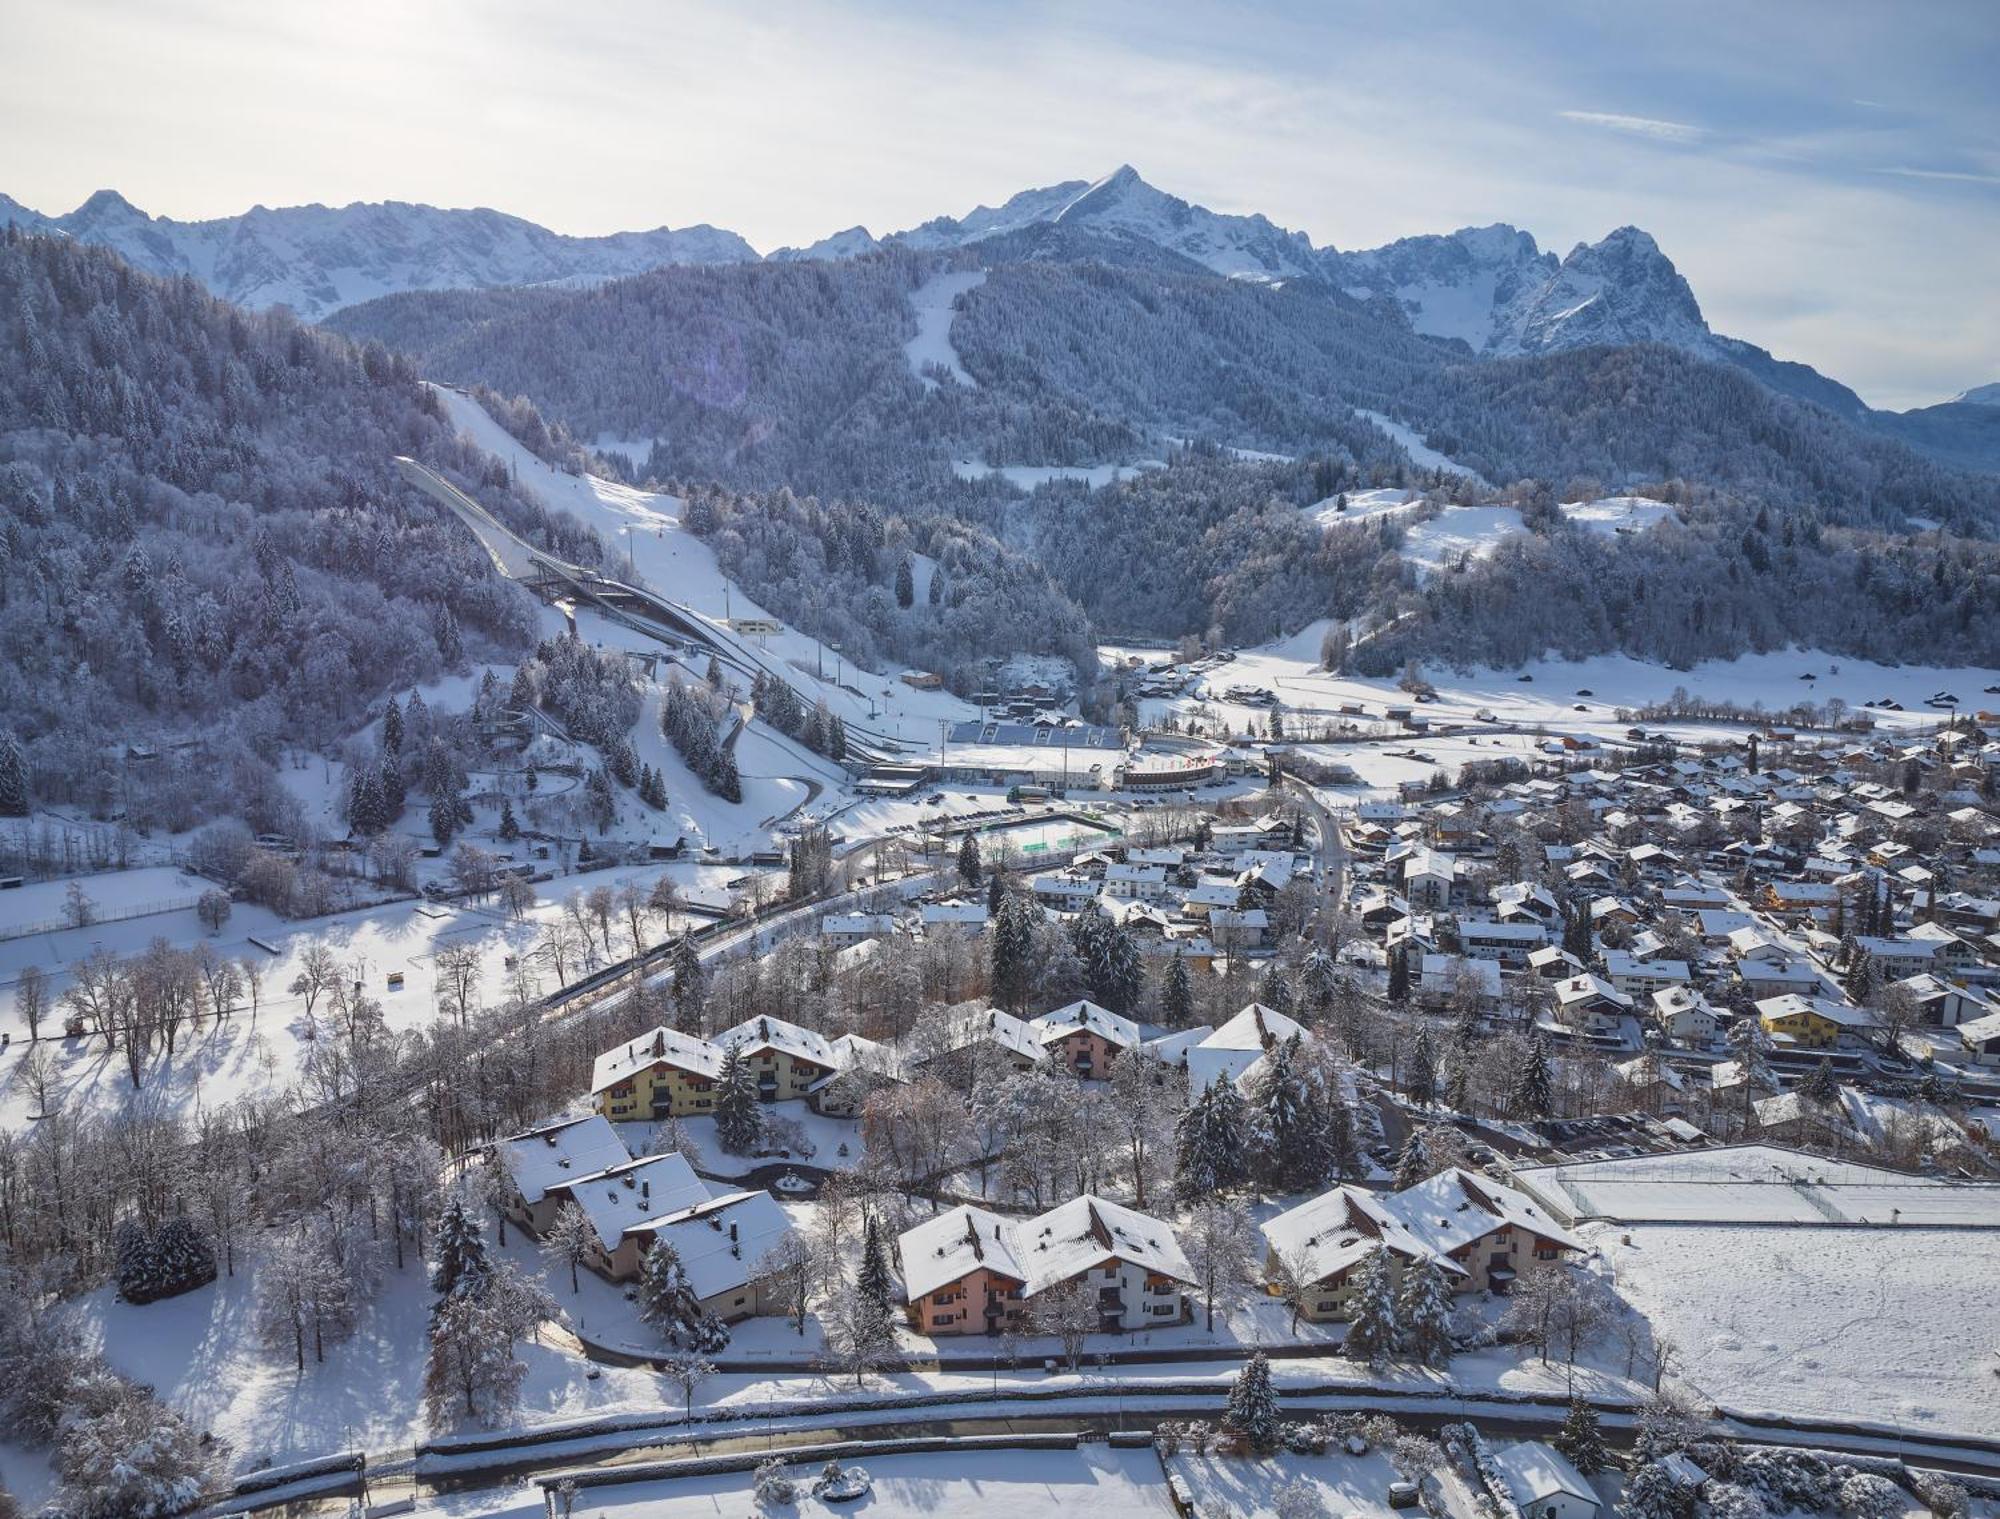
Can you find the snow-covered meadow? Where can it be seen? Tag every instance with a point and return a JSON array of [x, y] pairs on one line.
[[1891, 1326]]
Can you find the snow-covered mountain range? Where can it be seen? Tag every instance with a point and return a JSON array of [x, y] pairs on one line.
[[1491, 288], [317, 259]]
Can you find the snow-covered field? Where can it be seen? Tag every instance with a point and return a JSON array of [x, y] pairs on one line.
[[1027, 476], [1763, 1184], [1020, 1484], [244, 1054], [931, 347], [1617, 514], [1898, 1327], [1246, 1487], [1362, 506], [1421, 453], [1461, 532], [1547, 697]]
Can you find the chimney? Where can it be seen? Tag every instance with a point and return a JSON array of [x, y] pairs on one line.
[[627, 1179], [645, 1192], [732, 1231]]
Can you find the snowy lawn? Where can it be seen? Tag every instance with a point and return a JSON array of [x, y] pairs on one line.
[[1896, 1327], [1245, 1487], [1020, 1484]]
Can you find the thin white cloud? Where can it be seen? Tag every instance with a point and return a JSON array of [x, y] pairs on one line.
[[1638, 126], [1953, 176]]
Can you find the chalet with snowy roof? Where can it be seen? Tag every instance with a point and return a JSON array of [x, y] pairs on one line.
[[1509, 943], [1939, 1004], [1636, 978], [1229, 1051], [724, 1243], [541, 1159], [1132, 1261], [1326, 1241], [862, 1067], [967, 916], [621, 1196], [1067, 890], [1981, 1038], [1210, 896], [1543, 1484], [963, 1039], [842, 930], [1685, 1017], [961, 1274], [1236, 930], [660, 1074], [973, 1271], [1084, 1037], [1428, 877], [1814, 1023], [788, 1061], [1590, 1004], [1480, 1234], [1439, 977]]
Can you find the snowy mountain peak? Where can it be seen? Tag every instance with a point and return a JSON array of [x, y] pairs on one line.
[[1979, 395], [1621, 289], [851, 243], [317, 259]]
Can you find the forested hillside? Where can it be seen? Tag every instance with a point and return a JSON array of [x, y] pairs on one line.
[[795, 374], [203, 535]]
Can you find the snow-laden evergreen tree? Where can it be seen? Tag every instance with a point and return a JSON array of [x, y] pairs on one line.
[[668, 1302], [1011, 951], [461, 1266], [122, 1454], [739, 1116], [1292, 1121], [906, 594], [1112, 972], [13, 778], [1177, 994], [392, 727], [1580, 1439], [1212, 1144], [1372, 1328], [1252, 1413], [1532, 1091], [1423, 1312], [1420, 1078], [1399, 977], [135, 1258], [690, 984], [1652, 1493], [1822, 1088], [872, 1281], [968, 859]]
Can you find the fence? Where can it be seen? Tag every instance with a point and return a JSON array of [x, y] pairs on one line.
[[97, 917]]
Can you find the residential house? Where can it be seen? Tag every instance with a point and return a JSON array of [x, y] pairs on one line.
[[1229, 1051], [539, 1160], [788, 1061], [1543, 1484], [1085, 1037], [656, 1075], [723, 1243], [1814, 1023], [1590, 1005], [972, 1271]]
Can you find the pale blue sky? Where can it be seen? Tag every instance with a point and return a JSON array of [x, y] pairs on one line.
[[1826, 174]]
